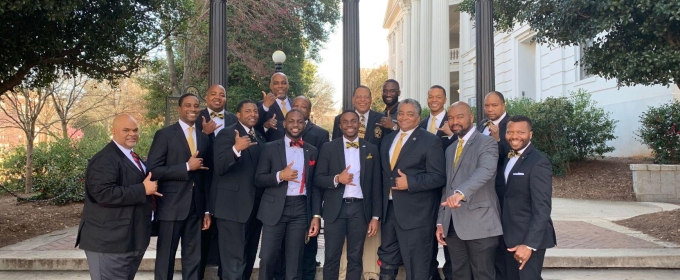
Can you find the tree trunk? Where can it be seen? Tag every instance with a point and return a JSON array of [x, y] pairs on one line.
[[64, 128], [29, 164], [186, 73], [171, 66]]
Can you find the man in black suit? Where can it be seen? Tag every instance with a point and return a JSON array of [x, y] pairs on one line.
[[290, 208], [527, 227], [437, 124], [494, 125], [274, 107], [213, 120], [349, 174], [115, 227], [390, 96], [413, 173], [234, 196], [182, 211], [316, 136], [369, 129]]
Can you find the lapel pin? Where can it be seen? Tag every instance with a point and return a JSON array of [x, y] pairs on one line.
[[414, 139]]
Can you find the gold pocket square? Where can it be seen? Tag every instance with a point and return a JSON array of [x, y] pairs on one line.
[[369, 156]]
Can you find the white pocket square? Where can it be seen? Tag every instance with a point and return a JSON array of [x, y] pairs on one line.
[[518, 174]]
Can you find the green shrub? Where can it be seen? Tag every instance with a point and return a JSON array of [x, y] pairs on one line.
[[660, 131], [424, 113], [567, 129]]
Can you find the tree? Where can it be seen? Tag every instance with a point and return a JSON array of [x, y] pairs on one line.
[[374, 78], [23, 109], [323, 106], [634, 42], [101, 39]]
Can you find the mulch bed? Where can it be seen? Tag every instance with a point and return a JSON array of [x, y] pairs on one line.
[[662, 225], [19, 222]]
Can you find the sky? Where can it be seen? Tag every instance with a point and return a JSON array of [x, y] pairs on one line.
[[372, 40]]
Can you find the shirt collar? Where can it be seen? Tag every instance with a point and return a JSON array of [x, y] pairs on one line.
[[287, 140], [364, 114], [439, 116], [184, 125], [496, 122], [245, 127], [522, 150], [408, 132], [125, 151], [345, 140], [468, 134]]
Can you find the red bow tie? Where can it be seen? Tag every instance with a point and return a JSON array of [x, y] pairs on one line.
[[298, 143]]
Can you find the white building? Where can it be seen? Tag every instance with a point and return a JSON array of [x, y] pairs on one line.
[[430, 43]]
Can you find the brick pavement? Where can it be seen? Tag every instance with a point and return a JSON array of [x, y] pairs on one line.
[[570, 235]]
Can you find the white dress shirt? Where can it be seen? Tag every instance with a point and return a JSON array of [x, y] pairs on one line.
[[512, 161], [438, 119], [279, 101], [353, 160], [496, 122], [297, 156], [218, 121], [365, 115], [403, 141], [185, 129], [128, 154]]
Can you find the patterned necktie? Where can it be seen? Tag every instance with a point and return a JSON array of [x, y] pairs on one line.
[[352, 145], [433, 127], [513, 154], [283, 108], [459, 151], [397, 150], [252, 133], [137, 161], [217, 115], [190, 141], [362, 127]]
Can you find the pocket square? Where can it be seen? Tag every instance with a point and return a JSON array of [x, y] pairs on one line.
[[369, 156], [312, 162], [518, 174]]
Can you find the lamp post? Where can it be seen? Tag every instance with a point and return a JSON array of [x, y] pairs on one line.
[[218, 43], [279, 57], [350, 51], [485, 73]]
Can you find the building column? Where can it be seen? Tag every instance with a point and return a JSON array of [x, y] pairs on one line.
[[440, 45], [350, 51], [425, 49], [414, 83], [217, 50], [406, 51]]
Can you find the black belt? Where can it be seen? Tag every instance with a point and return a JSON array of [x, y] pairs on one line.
[[351, 199], [297, 197]]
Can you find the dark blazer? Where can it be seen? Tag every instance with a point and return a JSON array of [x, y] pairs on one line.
[[527, 204], [315, 135], [422, 160], [273, 160], [229, 119], [168, 157], [332, 162], [233, 193], [117, 212], [503, 149], [424, 124], [271, 134], [374, 133]]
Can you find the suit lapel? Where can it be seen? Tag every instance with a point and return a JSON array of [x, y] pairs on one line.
[[519, 162], [281, 146], [385, 156], [466, 147], [127, 161], [409, 143], [180, 135], [363, 161]]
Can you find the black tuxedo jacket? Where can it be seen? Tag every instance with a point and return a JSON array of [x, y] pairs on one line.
[[503, 150], [527, 204], [273, 160], [422, 160], [233, 193], [332, 162], [229, 119], [315, 135], [424, 124], [117, 212], [168, 157], [271, 134], [374, 133]]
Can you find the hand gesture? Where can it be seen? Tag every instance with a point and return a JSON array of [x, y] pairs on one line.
[[453, 201], [314, 227], [522, 254], [440, 235], [345, 177], [196, 163], [242, 142], [268, 99], [446, 129], [494, 131], [289, 174], [271, 123], [401, 183], [373, 227], [209, 127], [386, 122], [151, 187]]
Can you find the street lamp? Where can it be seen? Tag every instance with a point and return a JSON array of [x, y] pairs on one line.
[[279, 57]]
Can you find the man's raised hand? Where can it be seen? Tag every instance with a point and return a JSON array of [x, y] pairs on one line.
[[151, 187], [345, 177], [196, 163], [289, 174], [242, 142]]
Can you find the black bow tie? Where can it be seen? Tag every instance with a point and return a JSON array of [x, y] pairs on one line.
[[352, 145], [218, 115], [298, 143]]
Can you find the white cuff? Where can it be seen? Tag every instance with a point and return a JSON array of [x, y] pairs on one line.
[[265, 108], [335, 181], [188, 167], [532, 249], [236, 152], [278, 178], [375, 218]]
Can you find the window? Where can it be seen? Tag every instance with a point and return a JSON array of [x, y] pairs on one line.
[[581, 50]]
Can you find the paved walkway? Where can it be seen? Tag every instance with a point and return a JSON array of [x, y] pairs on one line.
[[586, 237]]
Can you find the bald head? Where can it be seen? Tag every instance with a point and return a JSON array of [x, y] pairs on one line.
[[462, 105], [460, 118], [125, 131], [216, 98], [279, 85], [303, 104]]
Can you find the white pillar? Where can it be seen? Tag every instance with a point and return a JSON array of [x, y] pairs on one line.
[[425, 47], [414, 62], [398, 53], [406, 50], [440, 44]]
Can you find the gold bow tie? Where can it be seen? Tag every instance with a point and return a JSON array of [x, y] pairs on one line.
[[487, 123], [513, 154], [352, 145], [219, 115]]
